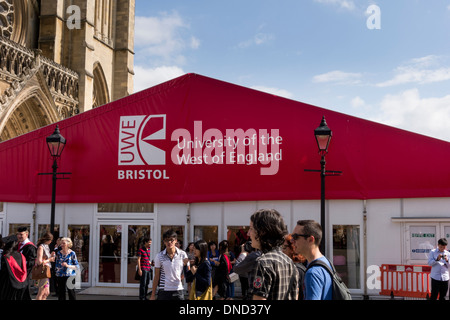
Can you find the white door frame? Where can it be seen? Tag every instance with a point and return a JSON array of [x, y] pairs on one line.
[[124, 223]]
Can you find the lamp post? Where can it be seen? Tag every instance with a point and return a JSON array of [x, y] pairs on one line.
[[323, 136], [56, 143]]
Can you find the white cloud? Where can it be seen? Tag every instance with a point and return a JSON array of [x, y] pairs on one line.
[[258, 39], [148, 77], [195, 43], [165, 36], [423, 70], [343, 4], [338, 77], [357, 102], [408, 110], [275, 91]]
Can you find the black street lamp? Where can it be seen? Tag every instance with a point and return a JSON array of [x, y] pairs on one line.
[[323, 136], [56, 143]]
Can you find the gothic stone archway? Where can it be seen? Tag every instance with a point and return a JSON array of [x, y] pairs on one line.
[[32, 111]]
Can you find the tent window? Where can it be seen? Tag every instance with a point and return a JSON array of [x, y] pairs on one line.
[[237, 236], [44, 228], [207, 233], [346, 254], [14, 226], [125, 207]]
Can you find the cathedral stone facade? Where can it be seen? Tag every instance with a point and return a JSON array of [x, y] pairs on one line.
[[62, 57]]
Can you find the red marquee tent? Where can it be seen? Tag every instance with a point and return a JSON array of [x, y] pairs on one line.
[[197, 139]]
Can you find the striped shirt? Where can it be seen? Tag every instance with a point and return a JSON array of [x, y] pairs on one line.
[[275, 277], [144, 253], [171, 270]]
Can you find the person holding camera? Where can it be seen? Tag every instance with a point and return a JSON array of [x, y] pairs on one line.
[[439, 262], [245, 264]]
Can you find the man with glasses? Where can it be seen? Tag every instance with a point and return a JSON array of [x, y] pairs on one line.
[[306, 238], [169, 270]]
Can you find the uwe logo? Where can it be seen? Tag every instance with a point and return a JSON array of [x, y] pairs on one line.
[[136, 136]]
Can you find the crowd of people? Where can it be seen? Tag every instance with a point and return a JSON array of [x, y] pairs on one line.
[[271, 265], [18, 258]]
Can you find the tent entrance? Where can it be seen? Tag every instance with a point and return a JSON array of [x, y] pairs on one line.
[[118, 243]]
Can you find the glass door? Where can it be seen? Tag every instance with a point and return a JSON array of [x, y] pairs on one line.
[[118, 245], [347, 254], [135, 240]]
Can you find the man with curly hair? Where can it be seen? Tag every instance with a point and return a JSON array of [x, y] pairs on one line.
[[275, 275]]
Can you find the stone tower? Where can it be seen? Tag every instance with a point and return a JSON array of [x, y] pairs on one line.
[[62, 57]]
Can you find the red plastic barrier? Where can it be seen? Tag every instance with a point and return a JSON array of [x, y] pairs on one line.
[[405, 280]]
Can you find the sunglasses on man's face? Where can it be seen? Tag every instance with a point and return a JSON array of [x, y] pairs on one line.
[[295, 236]]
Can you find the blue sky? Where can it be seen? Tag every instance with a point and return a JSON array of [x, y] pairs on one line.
[[320, 52]]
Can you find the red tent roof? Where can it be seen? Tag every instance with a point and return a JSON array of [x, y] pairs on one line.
[[197, 139]]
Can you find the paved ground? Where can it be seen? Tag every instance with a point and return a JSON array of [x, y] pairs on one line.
[[98, 297], [109, 293], [105, 295]]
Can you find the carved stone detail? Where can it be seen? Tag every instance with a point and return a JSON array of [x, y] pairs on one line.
[[18, 65], [6, 18]]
